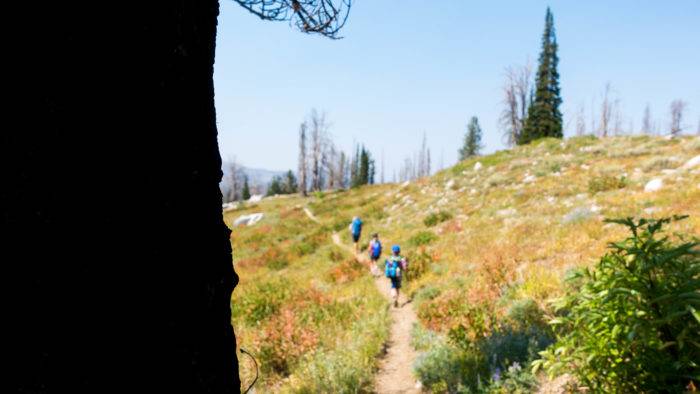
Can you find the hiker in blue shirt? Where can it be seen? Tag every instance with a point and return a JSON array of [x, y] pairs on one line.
[[395, 267], [356, 230], [375, 252]]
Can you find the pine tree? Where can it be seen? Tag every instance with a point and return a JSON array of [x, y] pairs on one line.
[[246, 189], [544, 118], [472, 140], [290, 183], [275, 186]]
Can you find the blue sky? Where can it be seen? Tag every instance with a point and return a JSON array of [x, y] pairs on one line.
[[405, 67]]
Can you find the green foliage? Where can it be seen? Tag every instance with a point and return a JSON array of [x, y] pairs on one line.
[[286, 184], [632, 324], [472, 140], [493, 363], [606, 182], [349, 370], [422, 238], [543, 116], [263, 300], [435, 218], [362, 168], [246, 189]]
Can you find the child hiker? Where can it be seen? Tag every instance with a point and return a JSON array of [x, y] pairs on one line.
[[395, 267]]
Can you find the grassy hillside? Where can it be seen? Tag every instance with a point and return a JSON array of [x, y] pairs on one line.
[[489, 242]]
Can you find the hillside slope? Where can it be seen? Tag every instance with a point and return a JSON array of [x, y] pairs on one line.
[[487, 239]]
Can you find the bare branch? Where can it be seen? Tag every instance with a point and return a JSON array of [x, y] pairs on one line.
[[324, 17]]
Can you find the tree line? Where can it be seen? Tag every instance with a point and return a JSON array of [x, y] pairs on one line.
[[531, 109]]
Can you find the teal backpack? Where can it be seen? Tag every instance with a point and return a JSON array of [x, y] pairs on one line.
[[391, 267]]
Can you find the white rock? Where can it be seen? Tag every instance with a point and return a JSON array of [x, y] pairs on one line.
[[248, 220], [650, 210], [506, 212], [653, 185], [585, 166], [551, 200], [255, 198], [477, 166], [405, 183], [473, 191], [449, 183], [529, 179], [694, 162], [595, 208], [557, 174]]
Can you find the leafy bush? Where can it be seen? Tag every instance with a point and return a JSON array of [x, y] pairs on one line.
[[631, 325], [435, 218], [493, 363], [262, 300], [606, 182], [660, 163], [422, 238], [418, 264]]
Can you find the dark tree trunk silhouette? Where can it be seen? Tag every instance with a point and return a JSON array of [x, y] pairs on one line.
[[121, 262]]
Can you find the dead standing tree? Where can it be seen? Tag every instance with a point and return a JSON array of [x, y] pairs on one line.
[[516, 91], [677, 108]]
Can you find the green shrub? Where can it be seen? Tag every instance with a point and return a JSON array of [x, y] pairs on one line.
[[418, 264], [422, 238], [632, 324], [303, 248], [262, 300], [278, 263], [435, 218], [446, 368], [426, 294], [606, 182]]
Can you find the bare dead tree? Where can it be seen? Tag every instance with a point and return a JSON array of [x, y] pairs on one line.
[[606, 112], [516, 91], [325, 17], [617, 117], [581, 121], [427, 164], [232, 187], [332, 166], [646, 120], [381, 179], [303, 163], [422, 158], [677, 109], [342, 170], [319, 127]]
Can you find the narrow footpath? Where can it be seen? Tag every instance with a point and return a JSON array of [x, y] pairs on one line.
[[395, 367]]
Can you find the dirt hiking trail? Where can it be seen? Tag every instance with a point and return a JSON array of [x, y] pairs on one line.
[[395, 367]]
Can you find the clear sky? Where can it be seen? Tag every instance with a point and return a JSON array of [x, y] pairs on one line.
[[405, 67]]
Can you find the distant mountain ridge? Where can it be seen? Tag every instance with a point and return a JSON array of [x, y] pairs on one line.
[[256, 176]]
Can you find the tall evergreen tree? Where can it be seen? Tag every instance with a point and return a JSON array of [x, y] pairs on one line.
[[544, 117], [472, 140], [246, 189]]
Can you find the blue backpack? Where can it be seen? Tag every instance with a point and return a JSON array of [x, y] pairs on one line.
[[356, 226], [376, 249], [391, 268]]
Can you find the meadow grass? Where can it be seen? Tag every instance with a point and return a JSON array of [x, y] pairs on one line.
[[497, 242]]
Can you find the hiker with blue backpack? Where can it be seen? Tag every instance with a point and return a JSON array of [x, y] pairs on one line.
[[375, 252], [394, 268], [356, 230]]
